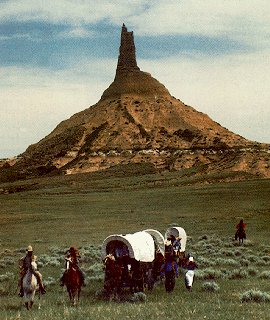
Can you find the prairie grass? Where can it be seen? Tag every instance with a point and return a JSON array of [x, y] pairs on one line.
[[83, 213]]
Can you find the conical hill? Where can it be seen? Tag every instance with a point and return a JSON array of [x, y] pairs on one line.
[[138, 121]]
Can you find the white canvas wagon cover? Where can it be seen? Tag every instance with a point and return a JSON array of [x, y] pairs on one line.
[[140, 245], [158, 239], [178, 232]]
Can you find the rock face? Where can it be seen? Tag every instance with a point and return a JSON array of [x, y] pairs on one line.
[[129, 80], [138, 121]]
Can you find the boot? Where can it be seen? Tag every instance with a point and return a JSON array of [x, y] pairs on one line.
[[42, 289], [21, 292], [21, 289]]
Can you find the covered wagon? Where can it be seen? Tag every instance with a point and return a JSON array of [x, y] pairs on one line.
[[177, 232], [139, 246], [129, 260]]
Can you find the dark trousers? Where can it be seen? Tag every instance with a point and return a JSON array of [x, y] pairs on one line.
[[169, 281]]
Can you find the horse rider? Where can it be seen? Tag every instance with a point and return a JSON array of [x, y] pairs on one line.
[[25, 264], [240, 229], [73, 255]]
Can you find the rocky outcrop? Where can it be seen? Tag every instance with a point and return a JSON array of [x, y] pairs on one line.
[[129, 80], [137, 121]]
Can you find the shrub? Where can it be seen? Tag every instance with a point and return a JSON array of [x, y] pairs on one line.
[[46, 260], [255, 296], [208, 274], [252, 258], [238, 274], [261, 262], [7, 261], [244, 262], [95, 268], [97, 277], [227, 253], [49, 281], [204, 237], [203, 262], [56, 251], [265, 249], [20, 250], [252, 272], [266, 259], [210, 286], [6, 276], [265, 275], [138, 297], [5, 288], [248, 243], [54, 262], [228, 262], [237, 253], [90, 254]]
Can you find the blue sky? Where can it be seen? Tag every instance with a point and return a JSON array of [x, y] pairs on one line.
[[57, 58]]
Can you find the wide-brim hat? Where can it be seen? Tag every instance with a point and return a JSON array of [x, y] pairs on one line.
[[29, 249]]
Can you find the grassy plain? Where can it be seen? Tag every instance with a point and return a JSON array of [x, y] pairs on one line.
[[53, 214]]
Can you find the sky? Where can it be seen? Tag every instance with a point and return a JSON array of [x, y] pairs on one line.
[[58, 56]]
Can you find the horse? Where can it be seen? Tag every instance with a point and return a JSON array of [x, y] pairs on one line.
[[73, 282], [30, 286], [113, 275], [240, 235]]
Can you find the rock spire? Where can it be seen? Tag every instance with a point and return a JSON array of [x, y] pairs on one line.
[[129, 79], [127, 55]]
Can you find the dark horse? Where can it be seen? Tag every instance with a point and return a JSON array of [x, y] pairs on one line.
[[113, 275], [240, 232], [73, 282], [137, 277]]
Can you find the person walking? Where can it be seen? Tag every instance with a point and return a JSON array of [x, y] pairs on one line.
[[170, 270], [189, 276]]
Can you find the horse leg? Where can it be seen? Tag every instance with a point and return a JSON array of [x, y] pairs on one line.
[[73, 297], [69, 294], [79, 292]]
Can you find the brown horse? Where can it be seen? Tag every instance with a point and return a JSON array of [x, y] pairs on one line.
[[73, 282], [240, 235], [241, 231], [113, 275]]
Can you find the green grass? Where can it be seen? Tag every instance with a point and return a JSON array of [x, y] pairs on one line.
[[81, 211]]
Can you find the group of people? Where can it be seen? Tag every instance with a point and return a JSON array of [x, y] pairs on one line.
[[26, 263], [175, 259]]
